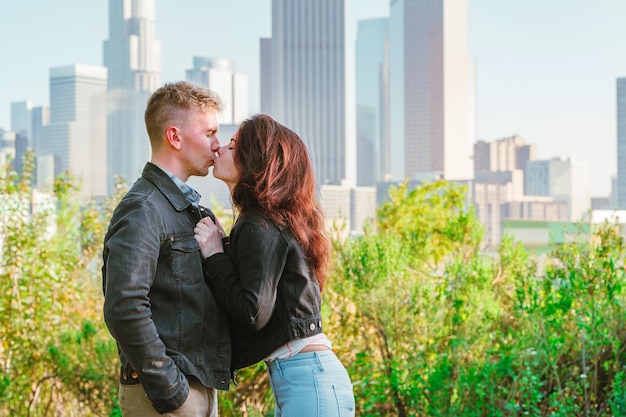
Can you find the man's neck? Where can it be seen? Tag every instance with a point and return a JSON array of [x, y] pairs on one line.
[[171, 168]]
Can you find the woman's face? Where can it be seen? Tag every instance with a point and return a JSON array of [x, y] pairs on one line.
[[224, 166]]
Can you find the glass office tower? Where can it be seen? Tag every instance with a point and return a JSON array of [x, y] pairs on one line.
[[437, 89], [307, 66], [133, 58]]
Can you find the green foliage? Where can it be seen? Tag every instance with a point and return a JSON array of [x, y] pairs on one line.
[[385, 278], [430, 326], [82, 361], [426, 323], [49, 289], [432, 217]]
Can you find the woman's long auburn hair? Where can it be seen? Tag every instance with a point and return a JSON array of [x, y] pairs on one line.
[[276, 178]]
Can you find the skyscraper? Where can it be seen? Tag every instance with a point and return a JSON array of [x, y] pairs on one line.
[[308, 64], [21, 124], [396, 90], [435, 75], [372, 102], [21, 118], [265, 51], [133, 58], [621, 143], [565, 180], [219, 75], [506, 154], [39, 117], [7, 145], [75, 136]]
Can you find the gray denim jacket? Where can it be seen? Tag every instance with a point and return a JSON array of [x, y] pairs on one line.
[[267, 287], [165, 320]]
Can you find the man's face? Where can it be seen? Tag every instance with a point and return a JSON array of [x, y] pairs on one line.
[[199, 141]]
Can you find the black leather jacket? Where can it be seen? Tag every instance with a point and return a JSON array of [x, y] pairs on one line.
[[267, 288], [157, 306]]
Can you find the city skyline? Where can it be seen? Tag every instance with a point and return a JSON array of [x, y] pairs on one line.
[[538, 74], [132, 55], [306, 61], [438, 84]]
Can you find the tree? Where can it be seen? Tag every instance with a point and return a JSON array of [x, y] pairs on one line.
[[55, 353], [391, 295], [425, 323]]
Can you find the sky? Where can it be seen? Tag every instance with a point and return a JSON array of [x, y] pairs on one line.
[[545, 70]]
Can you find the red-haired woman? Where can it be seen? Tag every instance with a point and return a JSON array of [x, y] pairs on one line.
[[271, 279]]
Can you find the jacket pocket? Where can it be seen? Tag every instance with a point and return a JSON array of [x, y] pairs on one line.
[[186, 259]]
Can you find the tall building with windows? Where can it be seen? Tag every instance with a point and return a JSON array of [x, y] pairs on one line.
[[432, 71], [307, 54], [75, 137], [506, 154], [265, 50], [396, 90], [21, 118], [219, 75], [621, 143], [373, 162], [40, 116], [7, 146], [565, 180], [21, 124], [133, 58]]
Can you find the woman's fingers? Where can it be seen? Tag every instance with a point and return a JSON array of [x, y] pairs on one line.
[[207, 221], [207, 224], [220, 228], [207, 234]]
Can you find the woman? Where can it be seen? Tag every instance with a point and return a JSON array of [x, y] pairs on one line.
[[272, 277]]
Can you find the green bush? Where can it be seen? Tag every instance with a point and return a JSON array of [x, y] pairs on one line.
[[426, 323], [56, 355]]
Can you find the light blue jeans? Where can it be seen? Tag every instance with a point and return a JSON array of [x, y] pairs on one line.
[[311, 384]]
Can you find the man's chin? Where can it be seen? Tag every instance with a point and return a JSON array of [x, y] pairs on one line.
[[202, 173]]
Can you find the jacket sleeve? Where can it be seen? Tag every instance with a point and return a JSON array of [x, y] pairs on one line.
[[248, 291], [131, 254]]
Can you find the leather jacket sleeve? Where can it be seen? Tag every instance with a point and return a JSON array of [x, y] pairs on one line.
[[249, 291], [131, 252]]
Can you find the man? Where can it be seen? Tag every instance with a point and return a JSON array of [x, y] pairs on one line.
[[172, 337]]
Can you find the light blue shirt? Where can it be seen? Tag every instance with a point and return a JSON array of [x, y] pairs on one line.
[[191, 194]]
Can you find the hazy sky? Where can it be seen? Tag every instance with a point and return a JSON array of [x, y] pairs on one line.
[[545, 69]]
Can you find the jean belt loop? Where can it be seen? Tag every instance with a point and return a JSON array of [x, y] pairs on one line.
[[318, 357], [277, 367]]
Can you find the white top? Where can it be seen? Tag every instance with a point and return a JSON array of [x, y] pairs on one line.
[[294, 347]]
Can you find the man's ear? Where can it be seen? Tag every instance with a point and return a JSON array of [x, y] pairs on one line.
[[173, 138]]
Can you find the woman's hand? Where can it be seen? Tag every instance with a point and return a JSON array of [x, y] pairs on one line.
[[209, 236]]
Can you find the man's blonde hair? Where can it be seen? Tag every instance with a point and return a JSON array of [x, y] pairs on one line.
[[173, 100]]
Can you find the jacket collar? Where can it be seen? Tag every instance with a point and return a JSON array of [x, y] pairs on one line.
[[164, 183]]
